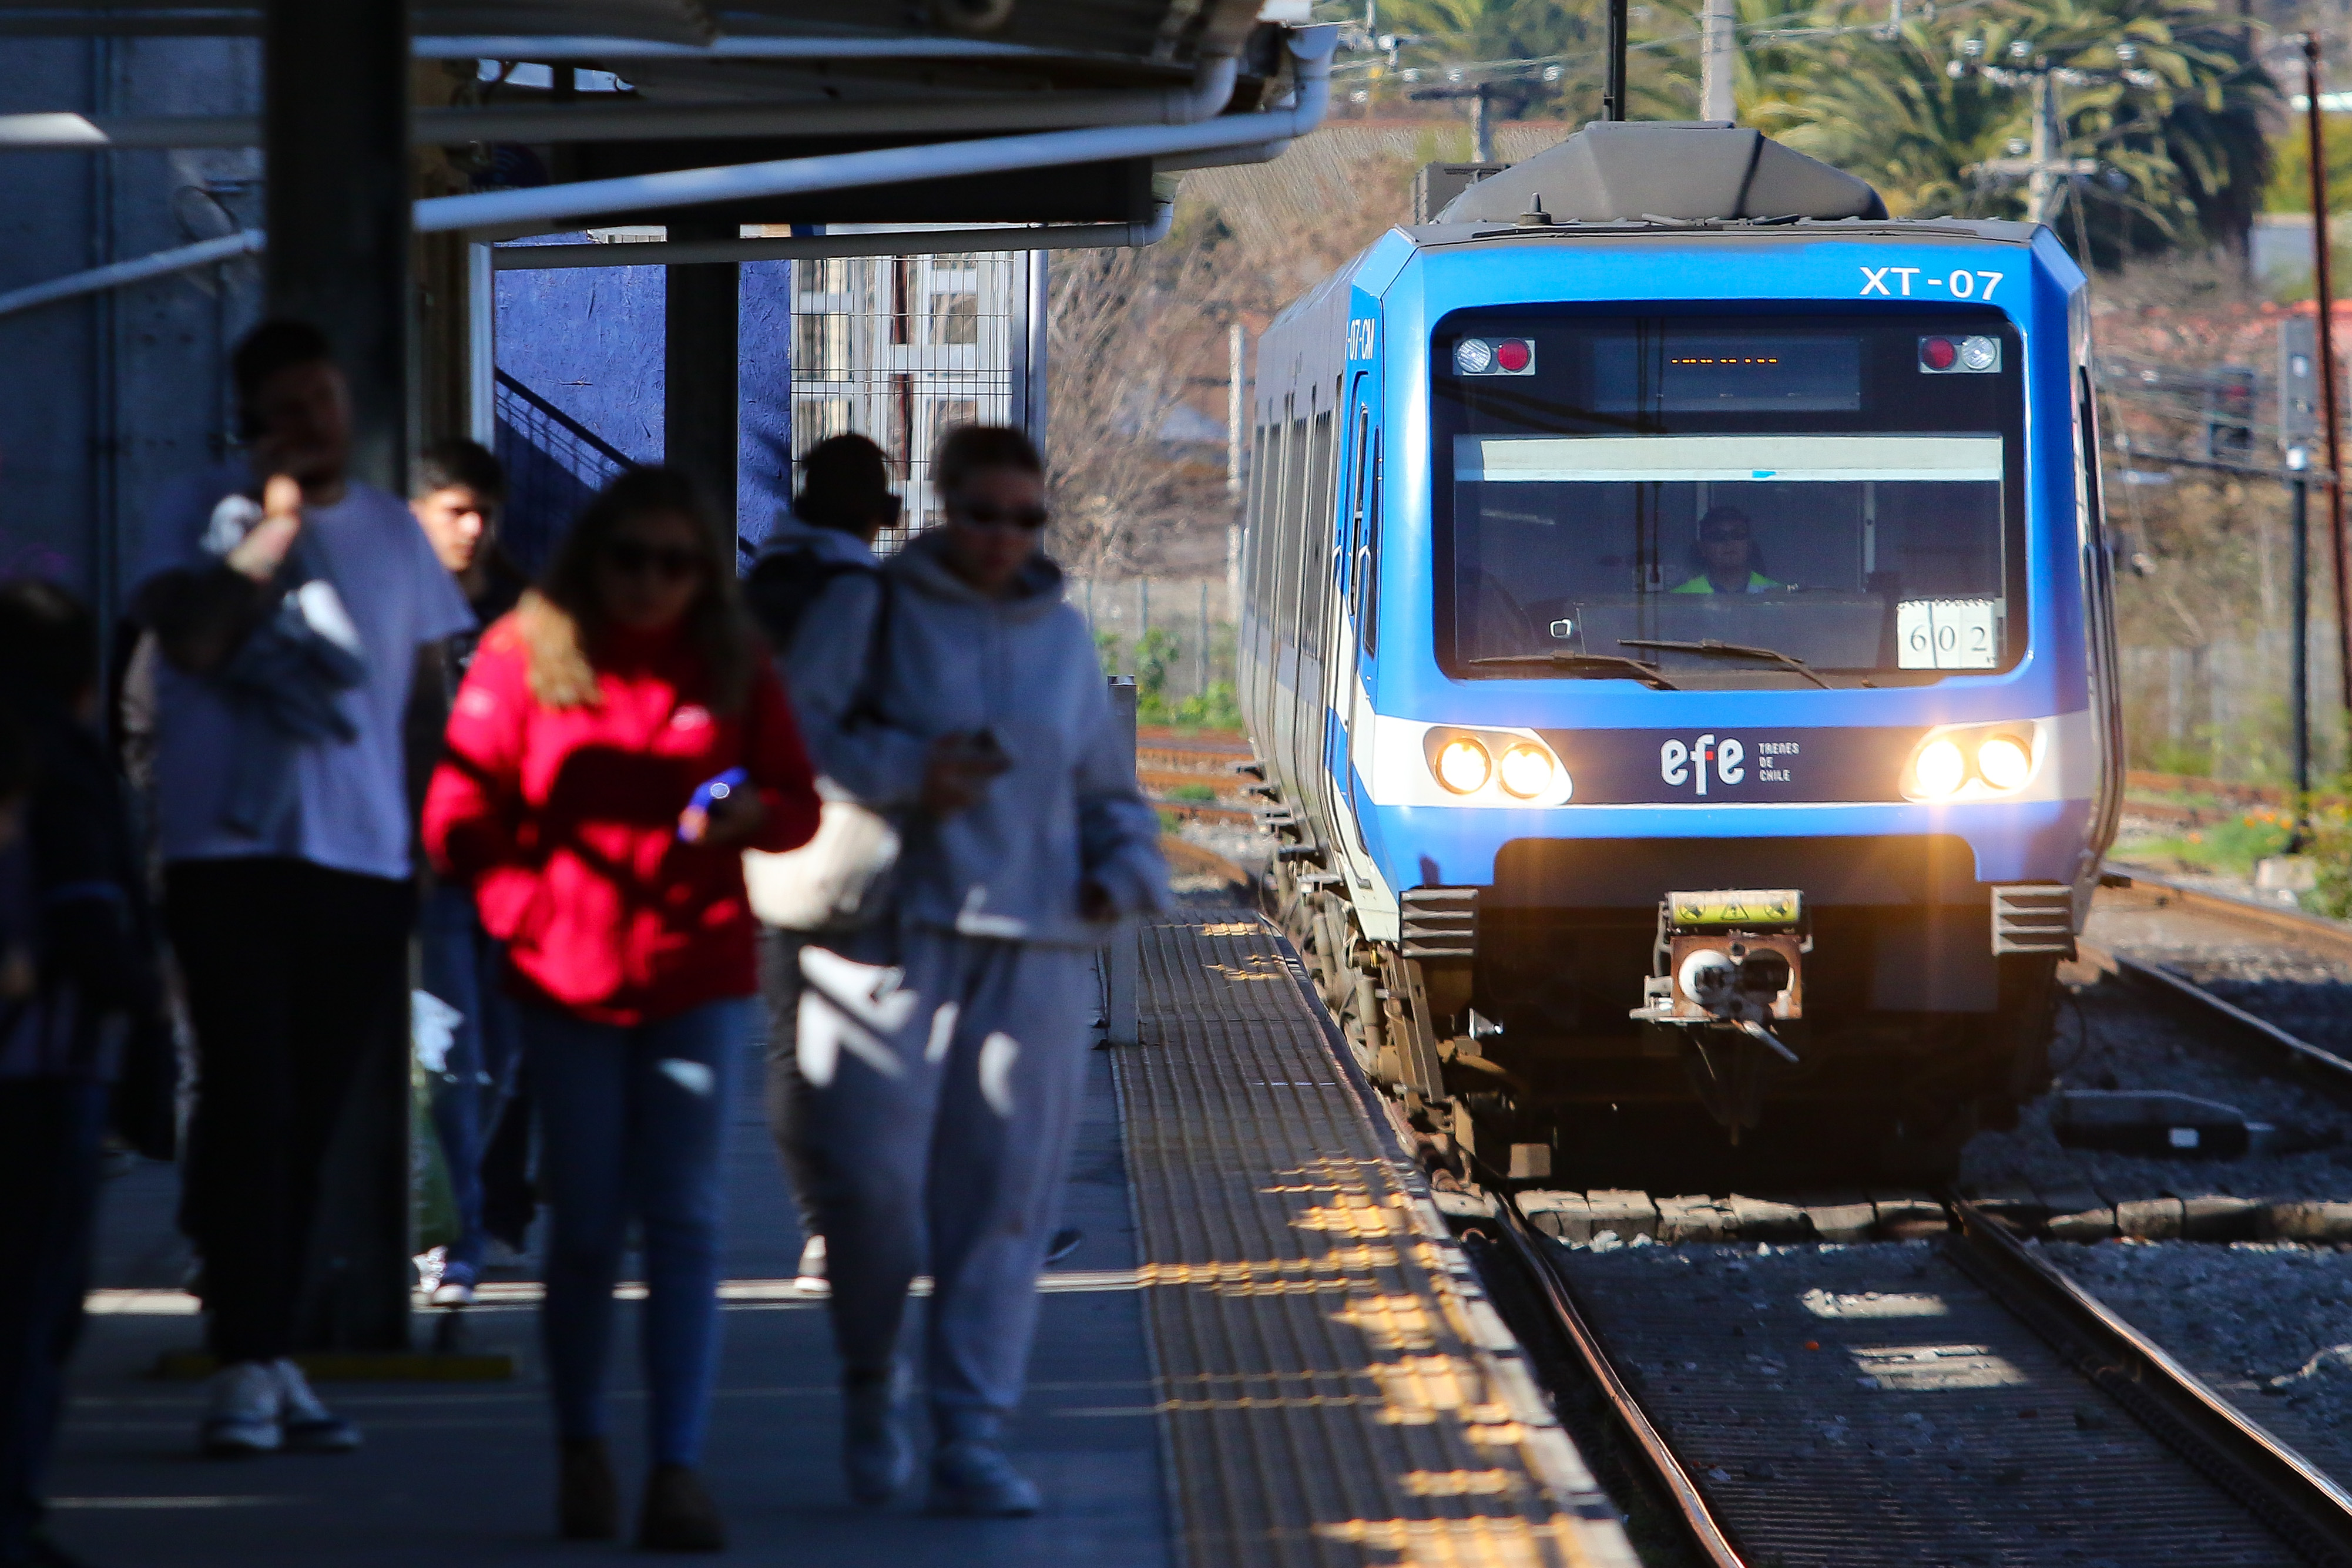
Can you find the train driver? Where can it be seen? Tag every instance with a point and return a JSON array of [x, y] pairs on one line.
[[1725, 556]]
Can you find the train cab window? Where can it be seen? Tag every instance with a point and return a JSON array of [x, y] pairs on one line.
[[1846, 491]]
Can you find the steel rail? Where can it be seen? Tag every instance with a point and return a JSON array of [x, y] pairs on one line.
[[2285, 1490], [2335, 1071], [1698, 1521]]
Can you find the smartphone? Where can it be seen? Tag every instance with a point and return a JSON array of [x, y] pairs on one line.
[[711, 792]]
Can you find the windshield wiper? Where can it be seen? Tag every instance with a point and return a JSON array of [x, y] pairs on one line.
[[1596, 663], [1708, 647]]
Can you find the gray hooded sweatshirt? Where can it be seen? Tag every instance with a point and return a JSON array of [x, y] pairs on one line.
[[1023, 667]]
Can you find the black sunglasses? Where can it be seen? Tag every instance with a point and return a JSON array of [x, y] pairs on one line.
[[633, 557], [982, 516]]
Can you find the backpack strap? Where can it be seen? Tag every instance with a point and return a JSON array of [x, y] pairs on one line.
[[865, 702]]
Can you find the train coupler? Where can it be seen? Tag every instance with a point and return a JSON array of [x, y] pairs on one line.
[[1729, 959]]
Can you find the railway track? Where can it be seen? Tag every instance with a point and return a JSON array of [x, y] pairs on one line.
[[1191, 775], [1935, 1387], [2218, 954], [1955, 1401]]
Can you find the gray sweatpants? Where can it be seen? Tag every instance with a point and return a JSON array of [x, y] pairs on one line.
[[943, 1100]]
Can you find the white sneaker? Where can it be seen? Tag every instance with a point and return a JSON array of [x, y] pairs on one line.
[[454, 1293], [243, 1419], [307, 1425], [813, 1280]]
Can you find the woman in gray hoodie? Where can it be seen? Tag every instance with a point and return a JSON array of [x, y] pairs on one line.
[[946, 1066]]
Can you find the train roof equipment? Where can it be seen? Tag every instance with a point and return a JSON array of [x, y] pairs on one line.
[[1624, 171]]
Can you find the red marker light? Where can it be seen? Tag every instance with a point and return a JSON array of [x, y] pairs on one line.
[[1938, 354], [1514, 354]]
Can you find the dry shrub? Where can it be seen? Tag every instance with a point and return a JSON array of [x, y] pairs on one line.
[[1138, 336]]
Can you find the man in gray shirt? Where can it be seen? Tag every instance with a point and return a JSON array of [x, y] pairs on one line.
[[291, 602]]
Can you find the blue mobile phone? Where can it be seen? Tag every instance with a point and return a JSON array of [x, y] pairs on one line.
[[713, 789]]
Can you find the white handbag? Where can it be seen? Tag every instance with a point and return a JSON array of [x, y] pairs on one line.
[[839, 881]]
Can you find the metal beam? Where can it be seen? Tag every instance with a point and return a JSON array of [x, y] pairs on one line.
[[901, 241], [657, 253], [525, 47], [162, 263], [635, 121], [701, 410], [545, 207], [338, 162]]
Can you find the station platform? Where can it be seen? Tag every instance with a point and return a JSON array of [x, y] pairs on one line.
[[1268, 1350]]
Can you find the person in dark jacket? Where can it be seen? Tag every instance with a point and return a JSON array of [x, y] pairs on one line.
[[456, 494], [826, 543], [78, 970]]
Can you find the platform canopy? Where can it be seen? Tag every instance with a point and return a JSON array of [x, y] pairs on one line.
[[607, 90]]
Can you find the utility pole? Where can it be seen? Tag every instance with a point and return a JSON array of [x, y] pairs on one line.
[[2046, 170], [2298, 418], [2324, 297], [1612, 102], [1719, 60], [2042, 185], [1481, 124], [1234, 345]]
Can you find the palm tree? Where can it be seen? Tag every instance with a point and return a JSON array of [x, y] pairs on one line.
[[2164, 93]]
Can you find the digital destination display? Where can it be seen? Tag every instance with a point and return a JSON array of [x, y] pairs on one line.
[[1687, 373]]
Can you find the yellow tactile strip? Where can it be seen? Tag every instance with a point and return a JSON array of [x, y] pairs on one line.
[[1335, 1388]]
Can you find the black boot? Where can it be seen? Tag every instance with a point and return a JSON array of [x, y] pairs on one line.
[[679, 1515], [588, 1499]]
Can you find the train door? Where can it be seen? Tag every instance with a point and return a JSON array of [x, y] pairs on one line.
[[1354, 550], [1280, 576], [1315, 546], [2099, 596]]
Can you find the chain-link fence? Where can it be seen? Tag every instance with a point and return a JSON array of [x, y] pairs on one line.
[[2225, 710], [900, 349]]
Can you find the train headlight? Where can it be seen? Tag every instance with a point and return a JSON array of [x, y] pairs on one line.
[[2004, 762], [1463, 765], [1528, 770], [1939, 768]]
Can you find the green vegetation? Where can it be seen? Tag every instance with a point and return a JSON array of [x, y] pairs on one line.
[[2231, 845], [1154, 657], [2165, 96]]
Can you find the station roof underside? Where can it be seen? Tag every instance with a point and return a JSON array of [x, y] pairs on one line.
[[685, 87]]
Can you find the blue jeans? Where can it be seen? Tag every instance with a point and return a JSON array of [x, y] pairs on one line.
[[461, 964], [632, 1120]]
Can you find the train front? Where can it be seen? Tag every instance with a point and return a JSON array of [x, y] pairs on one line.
[[1745, 742]]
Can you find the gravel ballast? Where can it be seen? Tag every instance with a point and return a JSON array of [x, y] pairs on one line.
[[2267, 1326]]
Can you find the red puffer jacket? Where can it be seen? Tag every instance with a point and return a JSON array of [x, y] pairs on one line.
[[565, 821]]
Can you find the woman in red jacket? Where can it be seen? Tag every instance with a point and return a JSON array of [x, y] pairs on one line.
[[573, 799]]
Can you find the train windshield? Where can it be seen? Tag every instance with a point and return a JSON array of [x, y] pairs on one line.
[[1830, 500]]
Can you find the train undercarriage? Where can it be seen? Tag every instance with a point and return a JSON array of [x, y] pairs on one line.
[[1511, 1040]]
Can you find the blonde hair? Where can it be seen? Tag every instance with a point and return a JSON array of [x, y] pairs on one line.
[[561, 675]]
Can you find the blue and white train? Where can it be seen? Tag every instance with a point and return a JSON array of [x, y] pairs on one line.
[[1677, 639]]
